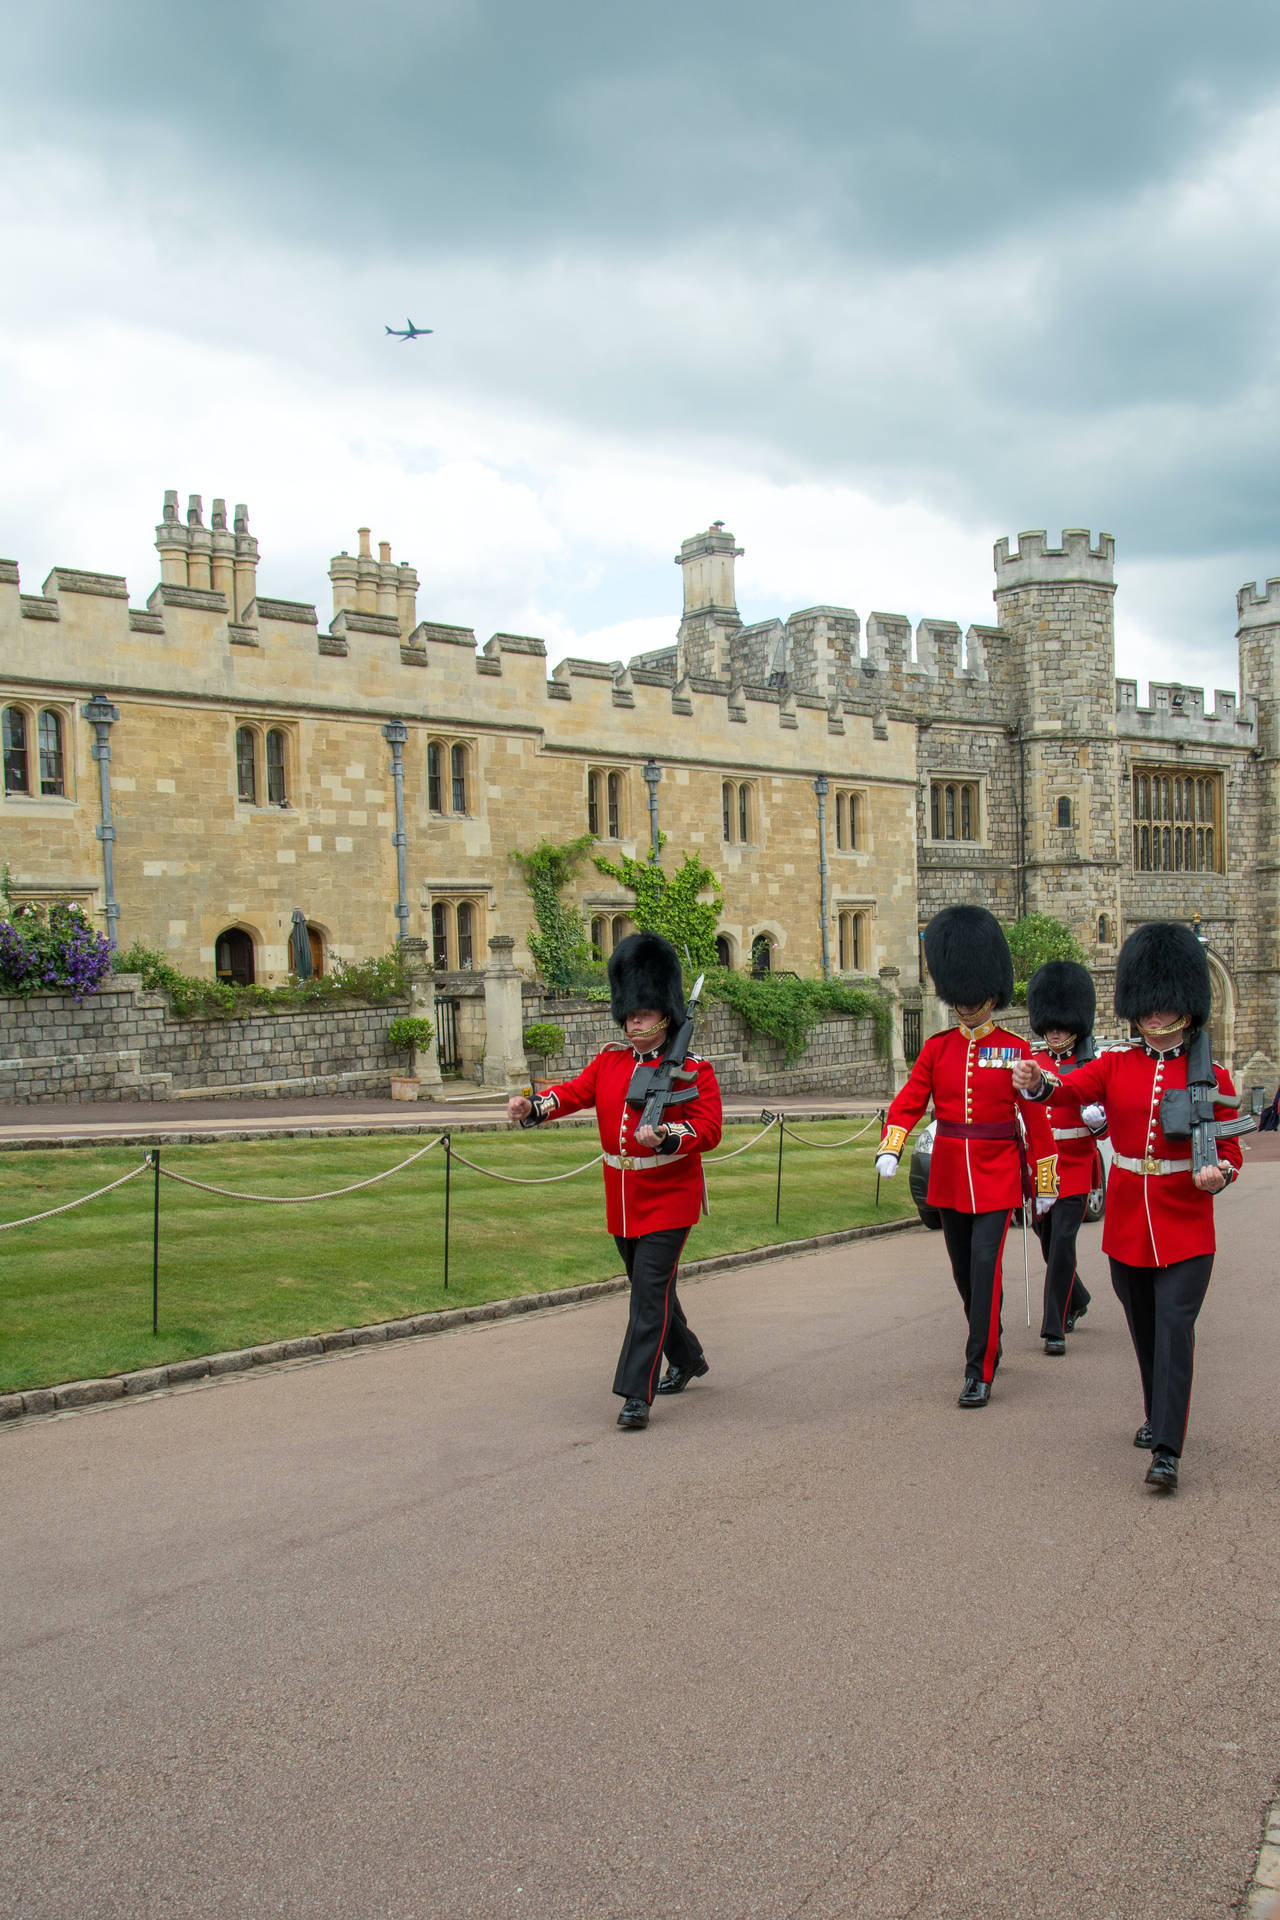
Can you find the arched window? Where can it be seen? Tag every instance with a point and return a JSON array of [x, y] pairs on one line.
[[49, 734], [246, 766], [599, 934], [954, 810], [593, 806], [435, 789], [851, 943], [1064, 810], [724, 950], [17, 778], [848, 808], [458, 777], [761, 954], [233, 957], [440, 936], [276, 794], [744, 812], [614, 790], [619, 928], [1104, 929], [466, 919], [737, 810], [726, 809]]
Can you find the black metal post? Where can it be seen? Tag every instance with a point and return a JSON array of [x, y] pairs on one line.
[[782, 1134], [878, 1156], [155, 1245], [448, 1171]]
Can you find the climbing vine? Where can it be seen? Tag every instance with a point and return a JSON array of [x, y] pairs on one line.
[[671, 904], [561, 947]]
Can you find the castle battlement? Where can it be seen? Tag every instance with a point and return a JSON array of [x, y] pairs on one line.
[[1258, 609], [1175, 713], [1034, 563]]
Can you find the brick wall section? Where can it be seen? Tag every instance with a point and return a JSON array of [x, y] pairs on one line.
[[124, 1044]]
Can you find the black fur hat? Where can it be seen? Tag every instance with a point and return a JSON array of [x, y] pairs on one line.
[[968, 957], [1061, 994], [1163, 966], [644, 971]]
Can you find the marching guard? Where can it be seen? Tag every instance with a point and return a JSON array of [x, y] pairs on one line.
[[1061, 1003], [1158, 1230], [654, 1187], [979, 1160]]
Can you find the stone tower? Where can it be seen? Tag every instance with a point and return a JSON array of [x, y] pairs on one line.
[[1056, 606], [711, 617], [1258, 635]]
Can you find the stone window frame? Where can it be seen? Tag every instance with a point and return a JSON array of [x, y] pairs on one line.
[[1064, 807], [32, 713], [608, 801], [739, 813], [1178, 818], [447, 751], [853, 940], [272, 778], [457, 925], [966, 784], [849, 814], [611, 927]]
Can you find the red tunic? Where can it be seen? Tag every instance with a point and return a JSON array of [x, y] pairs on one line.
[[648, 1198], [1079, 1163], [1151, 1219], [968, 1076]]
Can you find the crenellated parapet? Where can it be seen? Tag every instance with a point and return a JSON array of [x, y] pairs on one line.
[[1174, 713], [1034, 563]]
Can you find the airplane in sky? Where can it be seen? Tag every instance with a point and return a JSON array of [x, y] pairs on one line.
[[413, 332]]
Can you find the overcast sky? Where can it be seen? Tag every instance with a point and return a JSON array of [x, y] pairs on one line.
[[873, 284]]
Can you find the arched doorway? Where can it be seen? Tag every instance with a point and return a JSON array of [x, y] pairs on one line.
[[761, 954], [724, 950], [1222, 1018], [233, 957]]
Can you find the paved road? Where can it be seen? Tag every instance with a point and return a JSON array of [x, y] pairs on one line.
[[417, 1633]]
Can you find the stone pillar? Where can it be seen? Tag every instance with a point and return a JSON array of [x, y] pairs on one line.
[[171, 544], [406, 599], [711, 617], [199, 547], [897, 1050], [388, 581], [366, 575], [343, 570], [505, 1067], [223, 557], [422, 1002], [246, 563]]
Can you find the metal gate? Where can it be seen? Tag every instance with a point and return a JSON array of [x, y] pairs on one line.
[[447, 1036], [912, 1021]]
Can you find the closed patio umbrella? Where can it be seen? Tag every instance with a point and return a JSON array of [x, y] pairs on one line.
[[300, 946]]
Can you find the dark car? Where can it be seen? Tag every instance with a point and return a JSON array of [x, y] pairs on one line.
[[918, 1180]]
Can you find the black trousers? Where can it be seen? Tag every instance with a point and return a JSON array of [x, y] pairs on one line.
[[1064, 1290], [975, 1242], [1161, 1304], [656, 1323]]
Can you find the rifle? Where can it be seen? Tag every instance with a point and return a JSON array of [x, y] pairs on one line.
[[659, 1084], [1186, 1113]]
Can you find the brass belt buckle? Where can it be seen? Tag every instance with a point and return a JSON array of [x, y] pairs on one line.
[[1150, 1165], [626, 1162]]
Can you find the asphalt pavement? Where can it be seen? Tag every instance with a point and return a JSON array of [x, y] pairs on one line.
[[415, 1632]]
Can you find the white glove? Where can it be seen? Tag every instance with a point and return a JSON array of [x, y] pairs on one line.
[[1043, 1204], [1094, 1117], [886, 1165]]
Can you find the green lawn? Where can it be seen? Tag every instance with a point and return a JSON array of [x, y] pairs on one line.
[[75, 1291]]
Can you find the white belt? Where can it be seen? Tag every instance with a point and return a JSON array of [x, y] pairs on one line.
[[1072, 1133], [633, 1163], [1149, 1166]]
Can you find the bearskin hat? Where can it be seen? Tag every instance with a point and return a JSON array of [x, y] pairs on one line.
[[968, 957], [1163, 966], [1061, 994], [644, 971]]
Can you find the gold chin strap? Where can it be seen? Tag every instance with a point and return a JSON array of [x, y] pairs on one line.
[[982, 1024], [1160, 1033], [649, 1033]]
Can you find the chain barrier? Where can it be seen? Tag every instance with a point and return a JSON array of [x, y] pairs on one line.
[[68, 1205], [289, 1199], [516, 1180], [829, 1146]]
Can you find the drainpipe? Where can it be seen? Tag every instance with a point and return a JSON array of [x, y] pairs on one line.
[[822, 788], [395, 733], [652, 773], [103, 716]]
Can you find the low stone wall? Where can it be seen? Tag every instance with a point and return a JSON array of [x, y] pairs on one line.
[[841, 1057], [124, 1044]]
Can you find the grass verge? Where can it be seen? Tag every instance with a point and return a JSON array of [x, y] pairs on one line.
[[75, 1291]]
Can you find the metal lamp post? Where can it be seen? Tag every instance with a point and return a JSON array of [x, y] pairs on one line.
[[102, 716], [822, 788], [395, 733], [652, 773]]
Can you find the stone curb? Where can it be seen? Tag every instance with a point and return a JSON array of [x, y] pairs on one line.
[[129, 1386], [1262, 1902]]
